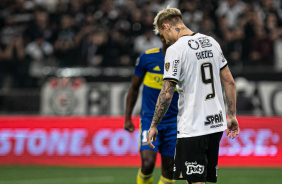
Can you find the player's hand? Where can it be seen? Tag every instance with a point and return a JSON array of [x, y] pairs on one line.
[[129, 126], [232, 127], [152, 136]]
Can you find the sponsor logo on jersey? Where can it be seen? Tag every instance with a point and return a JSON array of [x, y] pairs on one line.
[[175, 65], [223, 58], [215, 120], [194, 168], [193, 44], [204, 42], [157, 68], [167, 65], [204, 54]]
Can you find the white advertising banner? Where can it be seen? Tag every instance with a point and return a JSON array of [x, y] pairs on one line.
[[74, 96]]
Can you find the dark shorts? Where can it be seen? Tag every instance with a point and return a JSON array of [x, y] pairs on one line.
[[196, 158]]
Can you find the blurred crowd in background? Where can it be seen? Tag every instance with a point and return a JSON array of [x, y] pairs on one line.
[[113, 33]]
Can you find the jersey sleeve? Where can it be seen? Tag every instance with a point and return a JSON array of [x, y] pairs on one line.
[[222, 60], [172, 66], [140, 68]]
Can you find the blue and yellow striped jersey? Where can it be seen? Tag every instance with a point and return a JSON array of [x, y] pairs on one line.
[[150, 67]]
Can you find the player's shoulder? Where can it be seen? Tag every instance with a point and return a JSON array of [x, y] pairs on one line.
[[210, 38], [151, 53], [176, 47], [206, 41]]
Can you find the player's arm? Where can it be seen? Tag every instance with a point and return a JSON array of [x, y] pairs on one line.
[[131, 101], [230, 93], [163, 101], [162, 106]]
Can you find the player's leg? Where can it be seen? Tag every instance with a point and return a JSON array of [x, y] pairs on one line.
[[167, 135], [167, 167], [148, 155], [148, 158], [145, 174], [167, 170]]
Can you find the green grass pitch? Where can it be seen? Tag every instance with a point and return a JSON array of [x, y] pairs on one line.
[[76, 175]]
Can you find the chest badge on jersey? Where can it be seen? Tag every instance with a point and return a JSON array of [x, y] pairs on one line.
[[167, 65], [193, 44]]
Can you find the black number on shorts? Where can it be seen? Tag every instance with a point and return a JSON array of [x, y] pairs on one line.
[[208, 80]]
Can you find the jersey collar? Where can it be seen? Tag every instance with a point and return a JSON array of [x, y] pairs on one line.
[[189, 35]]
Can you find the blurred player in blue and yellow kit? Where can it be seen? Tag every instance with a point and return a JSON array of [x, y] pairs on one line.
[[149, 70]]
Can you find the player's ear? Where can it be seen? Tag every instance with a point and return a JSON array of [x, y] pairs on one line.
[[166, 26]]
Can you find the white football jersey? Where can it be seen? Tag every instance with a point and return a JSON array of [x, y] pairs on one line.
[[194, 62]]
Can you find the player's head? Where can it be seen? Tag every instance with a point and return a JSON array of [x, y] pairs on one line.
[[164, 21]]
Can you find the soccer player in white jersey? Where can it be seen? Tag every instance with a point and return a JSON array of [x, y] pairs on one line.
[[195, 64]]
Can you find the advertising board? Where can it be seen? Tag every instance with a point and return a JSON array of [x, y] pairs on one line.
[[101, 141]]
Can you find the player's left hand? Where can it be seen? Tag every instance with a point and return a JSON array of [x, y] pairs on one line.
[[232, 127], [152, 136]]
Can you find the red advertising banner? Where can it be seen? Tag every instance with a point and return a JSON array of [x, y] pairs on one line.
[[101, 141]]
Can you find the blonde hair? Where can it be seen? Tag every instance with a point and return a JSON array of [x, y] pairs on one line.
[[167, 15]]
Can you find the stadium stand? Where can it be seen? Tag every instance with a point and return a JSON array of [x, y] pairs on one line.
[[100, 40]]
